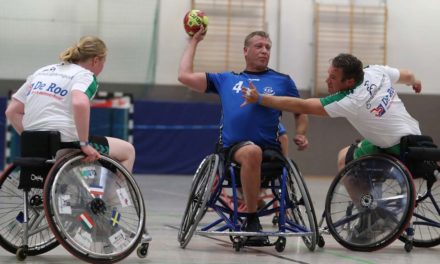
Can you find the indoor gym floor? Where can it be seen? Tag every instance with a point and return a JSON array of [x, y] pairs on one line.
[[165, 197]]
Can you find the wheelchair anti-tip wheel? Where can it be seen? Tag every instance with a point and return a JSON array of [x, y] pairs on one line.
[[95, 209], [370, 203], [426, 215], [40, 238], [199, 195], [299, 206]]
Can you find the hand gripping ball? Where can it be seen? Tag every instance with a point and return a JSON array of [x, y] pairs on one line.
[[193, 20]]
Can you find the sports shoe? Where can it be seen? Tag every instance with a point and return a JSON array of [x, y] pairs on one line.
[[371, 226], [253, 225], [359, 233]]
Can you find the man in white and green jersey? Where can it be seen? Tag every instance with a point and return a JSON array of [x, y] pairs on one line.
[[365, 96]]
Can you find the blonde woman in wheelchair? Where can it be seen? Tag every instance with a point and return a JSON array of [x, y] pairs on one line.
[[57, 97], [88, 194]]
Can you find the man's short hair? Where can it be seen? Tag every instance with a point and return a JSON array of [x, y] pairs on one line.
[[351, 66], [260, 33]]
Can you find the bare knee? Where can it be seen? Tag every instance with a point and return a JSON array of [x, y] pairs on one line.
[[342, 157], [122, 151], [250, 155]]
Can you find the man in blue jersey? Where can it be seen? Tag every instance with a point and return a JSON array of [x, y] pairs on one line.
[[246, 132]]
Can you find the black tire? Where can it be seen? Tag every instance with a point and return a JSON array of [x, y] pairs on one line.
[[300, 207], [321, 241], [142, 250], [70, 197], [280, 244], [386, 195], [11, 205], [426, 233], [199, 195]]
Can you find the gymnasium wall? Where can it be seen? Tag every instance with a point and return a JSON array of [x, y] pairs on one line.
[[146, 42]]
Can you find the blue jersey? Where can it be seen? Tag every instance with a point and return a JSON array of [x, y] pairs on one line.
[[254, 122]]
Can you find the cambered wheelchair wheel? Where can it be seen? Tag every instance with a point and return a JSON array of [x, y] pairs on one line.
[[426, 215], [370, 203], [95, 209], [40, 238], [300, 207], [199, 195]]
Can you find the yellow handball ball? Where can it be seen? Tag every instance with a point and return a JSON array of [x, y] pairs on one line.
[[193, 20]]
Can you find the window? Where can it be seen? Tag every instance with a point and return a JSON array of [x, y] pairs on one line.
[[229, 23], [359, 30]]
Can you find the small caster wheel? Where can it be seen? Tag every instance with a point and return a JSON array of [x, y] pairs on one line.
[[275, 220], [321, 241], [408, 246], [142, 250], [280, 244], [22, 253], [237, 243]]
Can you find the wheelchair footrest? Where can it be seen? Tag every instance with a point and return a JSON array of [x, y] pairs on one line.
[[257, 241], [248, 234]]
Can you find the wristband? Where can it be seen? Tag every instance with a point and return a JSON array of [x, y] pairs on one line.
[[83, 143], [260, 97]]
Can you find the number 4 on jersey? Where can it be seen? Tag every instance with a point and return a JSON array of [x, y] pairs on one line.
[[237, 87]]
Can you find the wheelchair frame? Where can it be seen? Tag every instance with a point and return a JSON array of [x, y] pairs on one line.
[[94, 207], [213, 175]]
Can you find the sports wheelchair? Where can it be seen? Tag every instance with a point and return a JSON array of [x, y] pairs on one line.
[[387, 205], [94, 209], [290, 202]]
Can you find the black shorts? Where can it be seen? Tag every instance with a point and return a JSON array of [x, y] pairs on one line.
[[100, 143], [230, 151]]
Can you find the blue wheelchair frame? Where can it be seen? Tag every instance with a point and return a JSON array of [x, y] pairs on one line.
[[230, 221]]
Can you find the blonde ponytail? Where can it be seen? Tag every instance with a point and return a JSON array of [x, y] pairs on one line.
[[87, 47]]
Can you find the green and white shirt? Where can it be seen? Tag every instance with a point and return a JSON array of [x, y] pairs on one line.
[[47, 98], [374, 108]]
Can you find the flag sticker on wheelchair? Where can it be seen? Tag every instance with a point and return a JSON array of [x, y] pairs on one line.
[[88, 172], [118, 239], [83, 238], [64, 204], [116, 216], [123, 197], [96, 190], [86, 221]]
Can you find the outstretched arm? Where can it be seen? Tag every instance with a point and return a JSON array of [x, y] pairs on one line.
[[196, 81], [284, 103], [408, 78]]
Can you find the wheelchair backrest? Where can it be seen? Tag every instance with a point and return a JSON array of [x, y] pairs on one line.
[[35, 146], [42, 144], [418, 153]]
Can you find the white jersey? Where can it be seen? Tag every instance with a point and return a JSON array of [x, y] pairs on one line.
[[374, 108], [47, 98]]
